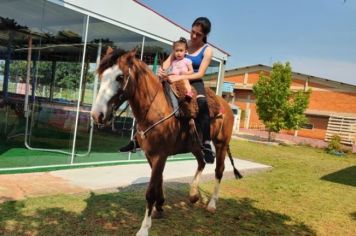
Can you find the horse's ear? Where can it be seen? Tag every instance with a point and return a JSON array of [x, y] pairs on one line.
[[109, 50], [131, 55], [133, 52]]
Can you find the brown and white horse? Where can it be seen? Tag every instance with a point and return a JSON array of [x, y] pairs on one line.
[[132, 79]]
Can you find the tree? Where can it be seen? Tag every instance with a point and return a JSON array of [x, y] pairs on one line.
[[67, 74], [277, 106]]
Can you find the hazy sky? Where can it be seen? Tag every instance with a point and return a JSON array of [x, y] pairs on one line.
[[317, 37]]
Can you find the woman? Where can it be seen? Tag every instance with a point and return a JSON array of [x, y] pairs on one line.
[[201, 54]]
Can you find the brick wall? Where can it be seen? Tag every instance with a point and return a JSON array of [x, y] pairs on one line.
[[235, 79], [318, 131], [253, 77], [324, 98], [333, 101]]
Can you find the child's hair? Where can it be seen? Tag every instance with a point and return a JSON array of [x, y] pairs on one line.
[[181, 41]]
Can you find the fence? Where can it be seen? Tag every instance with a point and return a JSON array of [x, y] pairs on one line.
[[345, 127]]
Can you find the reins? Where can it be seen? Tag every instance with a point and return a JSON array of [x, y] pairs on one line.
[[144, 132]]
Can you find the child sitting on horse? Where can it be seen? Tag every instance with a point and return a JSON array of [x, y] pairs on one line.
[[181, 65]]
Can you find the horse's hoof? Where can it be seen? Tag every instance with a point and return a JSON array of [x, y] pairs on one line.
[[211, 209], [211, 206], [194, 198], [157, 214]]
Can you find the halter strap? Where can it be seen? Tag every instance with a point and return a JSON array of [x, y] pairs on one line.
[[127, 80]]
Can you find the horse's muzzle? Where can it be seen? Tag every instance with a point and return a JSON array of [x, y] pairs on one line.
[[97, 117]]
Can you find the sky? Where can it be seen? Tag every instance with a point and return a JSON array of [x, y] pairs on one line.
[[317, 37]]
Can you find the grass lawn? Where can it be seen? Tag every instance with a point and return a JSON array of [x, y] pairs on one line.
[[308, 192]]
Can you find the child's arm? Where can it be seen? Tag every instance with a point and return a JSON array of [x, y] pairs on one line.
[[190, 68]]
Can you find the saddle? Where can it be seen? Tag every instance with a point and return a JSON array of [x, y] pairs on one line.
[[189, 109]]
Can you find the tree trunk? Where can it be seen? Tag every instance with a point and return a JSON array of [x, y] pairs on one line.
[[269, 136]]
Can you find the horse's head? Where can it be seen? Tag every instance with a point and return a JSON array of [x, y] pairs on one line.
[[114, 75]]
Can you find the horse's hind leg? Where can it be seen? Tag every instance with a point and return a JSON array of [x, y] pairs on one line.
[[151, 194], [194, 187], [219, 170]]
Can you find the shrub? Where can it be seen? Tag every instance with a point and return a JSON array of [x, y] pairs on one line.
[[334, 146]]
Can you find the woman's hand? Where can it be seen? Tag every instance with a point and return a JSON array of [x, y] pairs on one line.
[[162, 73], [173, 78]]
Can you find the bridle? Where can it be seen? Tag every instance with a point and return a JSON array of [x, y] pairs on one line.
[[124, 97], [127, 80]]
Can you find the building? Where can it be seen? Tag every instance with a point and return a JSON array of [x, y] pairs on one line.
[[331, 110], [52, 47]]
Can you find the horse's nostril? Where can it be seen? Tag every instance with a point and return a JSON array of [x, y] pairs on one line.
[[101, 117]]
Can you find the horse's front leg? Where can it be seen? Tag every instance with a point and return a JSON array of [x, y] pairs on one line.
[[154, 194], [219, 170], [159, 199], [194, 187]]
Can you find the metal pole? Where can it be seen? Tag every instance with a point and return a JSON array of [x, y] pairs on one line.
[[5, 86], [53, 77], [94, 97], [220, 78], [28, 75], [79, 92]]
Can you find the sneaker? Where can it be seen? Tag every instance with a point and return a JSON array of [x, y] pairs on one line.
[[132, 146], [209, 155]]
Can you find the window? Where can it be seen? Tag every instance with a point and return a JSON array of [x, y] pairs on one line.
[[307, 126]]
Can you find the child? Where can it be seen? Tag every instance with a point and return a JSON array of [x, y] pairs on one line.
[[182, 65]]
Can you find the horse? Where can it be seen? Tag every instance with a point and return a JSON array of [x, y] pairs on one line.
[[125, 77]]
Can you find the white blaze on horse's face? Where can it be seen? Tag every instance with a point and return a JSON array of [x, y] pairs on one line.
[[108, 88]]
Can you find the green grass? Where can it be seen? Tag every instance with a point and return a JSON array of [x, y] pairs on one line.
[[308, 192]]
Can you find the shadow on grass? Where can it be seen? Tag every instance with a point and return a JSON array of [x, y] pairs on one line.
[[121, 214], [345, 176], [353, 215]]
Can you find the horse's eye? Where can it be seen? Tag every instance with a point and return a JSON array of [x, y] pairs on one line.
[[120, 77]]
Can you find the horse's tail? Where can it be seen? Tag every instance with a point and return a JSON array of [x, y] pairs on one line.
[[236, 172]]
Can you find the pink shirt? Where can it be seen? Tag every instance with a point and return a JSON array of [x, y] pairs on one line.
[[180, 67]]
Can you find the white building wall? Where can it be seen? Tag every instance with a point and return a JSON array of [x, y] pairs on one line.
[[135, 16]]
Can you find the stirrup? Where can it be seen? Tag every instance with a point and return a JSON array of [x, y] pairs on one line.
[[209, 155]]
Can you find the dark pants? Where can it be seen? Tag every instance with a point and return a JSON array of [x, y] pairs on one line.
[[203, 118]]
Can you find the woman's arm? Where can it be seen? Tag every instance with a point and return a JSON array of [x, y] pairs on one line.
[[208, 54], [167, 63]]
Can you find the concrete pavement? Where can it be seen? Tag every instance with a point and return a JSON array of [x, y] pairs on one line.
[[107, 178]]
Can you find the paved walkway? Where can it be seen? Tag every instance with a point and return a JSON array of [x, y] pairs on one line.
[[108, 178]]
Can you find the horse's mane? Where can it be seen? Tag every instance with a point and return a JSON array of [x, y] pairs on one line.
[[109, 60], [141, 68]]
